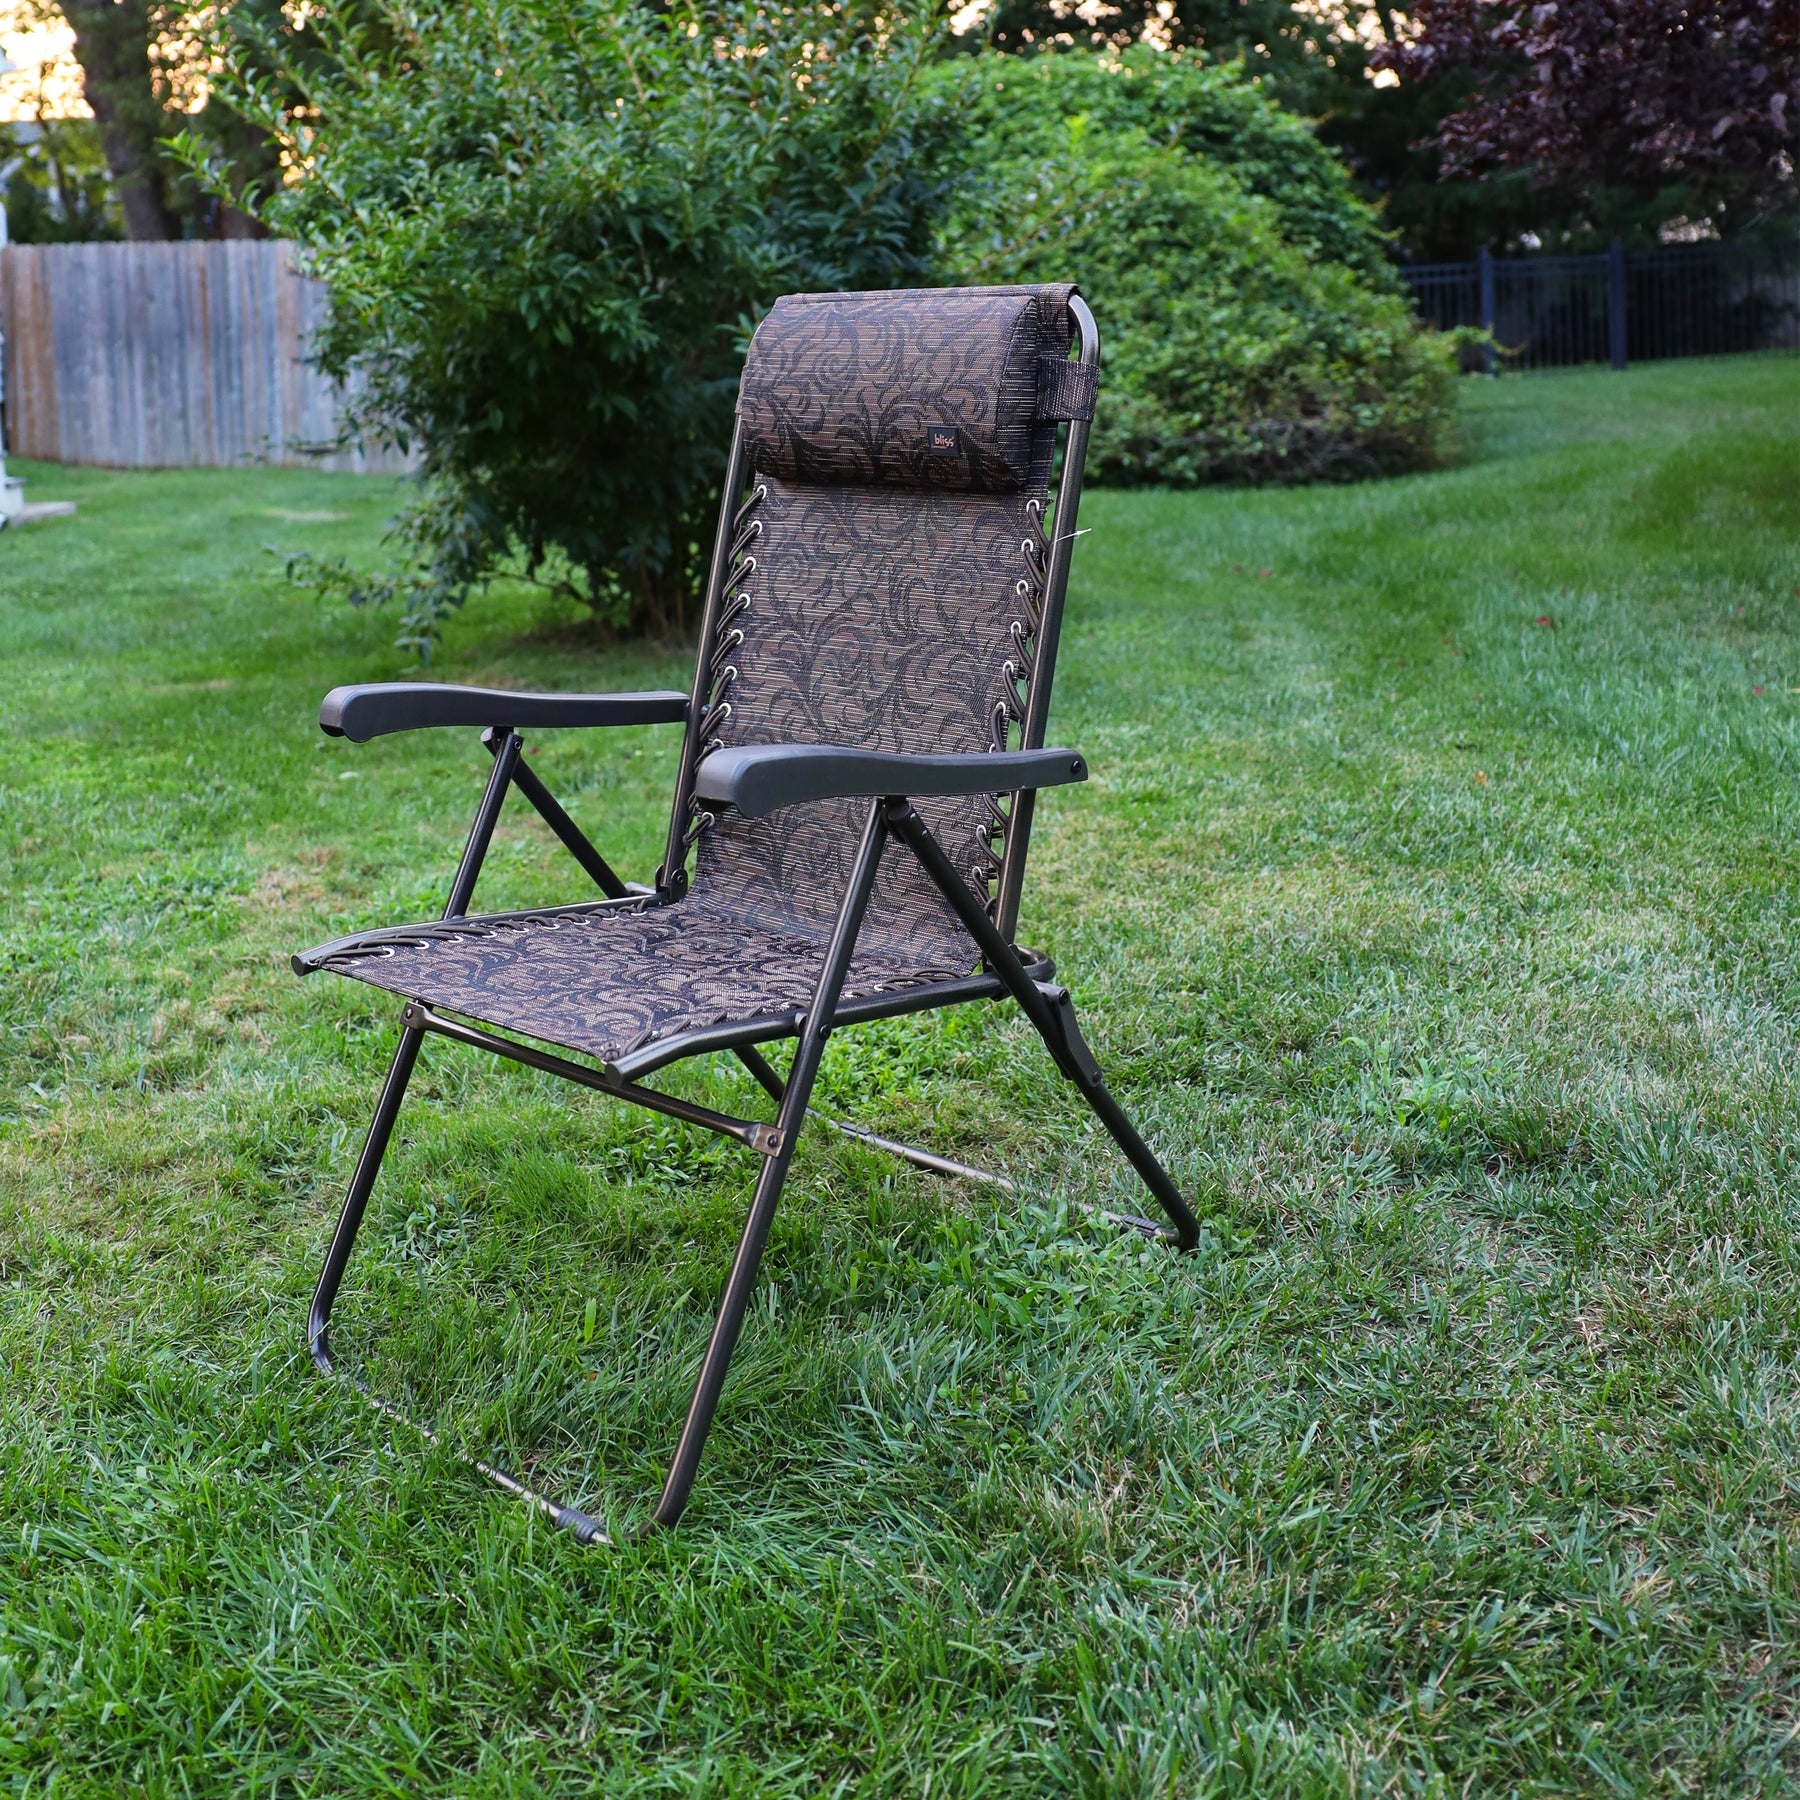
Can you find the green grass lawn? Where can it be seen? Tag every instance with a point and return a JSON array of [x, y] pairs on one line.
[[1433, 906]]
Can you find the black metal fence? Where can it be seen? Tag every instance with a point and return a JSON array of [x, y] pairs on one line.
[[1621, 306]]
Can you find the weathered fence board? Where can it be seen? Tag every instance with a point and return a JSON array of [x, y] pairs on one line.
[[173, 355]]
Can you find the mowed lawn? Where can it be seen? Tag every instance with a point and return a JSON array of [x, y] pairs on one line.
[[1434, 907]]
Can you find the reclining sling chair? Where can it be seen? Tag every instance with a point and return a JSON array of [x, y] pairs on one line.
[[879, 632]]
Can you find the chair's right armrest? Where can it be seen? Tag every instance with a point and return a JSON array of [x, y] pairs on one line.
[[758, 778], [361, 713]]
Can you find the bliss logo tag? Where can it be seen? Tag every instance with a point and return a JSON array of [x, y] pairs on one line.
[[940, 440]]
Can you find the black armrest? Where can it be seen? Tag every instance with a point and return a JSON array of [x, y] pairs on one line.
[[757, 778], [361, 713]]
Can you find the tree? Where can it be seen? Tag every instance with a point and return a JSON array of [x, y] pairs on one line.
[[1303, 53], [546, 227], [1386, 138], [145, 67], [1689, 105], [114, 43], [1314, 58]]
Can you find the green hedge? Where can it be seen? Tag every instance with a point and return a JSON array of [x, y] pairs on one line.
[[1252, 325], [547, 227]]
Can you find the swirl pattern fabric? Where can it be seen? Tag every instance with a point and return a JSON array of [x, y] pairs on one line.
[[934, 389], [868, 610], [606, 981], [880, 618]]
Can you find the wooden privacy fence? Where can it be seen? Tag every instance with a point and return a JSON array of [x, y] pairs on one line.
[[176, 355]]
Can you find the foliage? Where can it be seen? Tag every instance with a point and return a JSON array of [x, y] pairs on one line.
[[56, 187], [546, 225], [1697, 105], [266, 40], [1385, 137], [146, 68], [1300, 53], [1323, 59], [1450, 960], [1251, 323], [1019, 106], [115, 44], [1314, 59]]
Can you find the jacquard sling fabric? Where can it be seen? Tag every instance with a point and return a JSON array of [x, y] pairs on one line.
[[885, 600], [936, 390], [879, 619]]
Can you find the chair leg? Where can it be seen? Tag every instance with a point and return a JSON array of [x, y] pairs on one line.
[[505, 745], [1050, 1010], [740, 1290], [1079, 1065], [362, 1184], [740, 1285]]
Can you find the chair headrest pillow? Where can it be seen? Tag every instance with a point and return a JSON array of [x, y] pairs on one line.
[[955, 388]]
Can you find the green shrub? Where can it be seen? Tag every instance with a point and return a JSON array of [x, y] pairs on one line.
[[1252, 327], [1210, 110], [545, 226]]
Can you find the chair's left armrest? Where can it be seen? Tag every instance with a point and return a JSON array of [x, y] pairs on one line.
[[361, 713], [757, 778]]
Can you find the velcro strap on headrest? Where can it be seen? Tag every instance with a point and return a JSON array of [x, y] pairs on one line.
[[1067, 390], [936, 388]]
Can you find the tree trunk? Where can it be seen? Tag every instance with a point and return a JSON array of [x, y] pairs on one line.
[[112, 44], [235, 223]]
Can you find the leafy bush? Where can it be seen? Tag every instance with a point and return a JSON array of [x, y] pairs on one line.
[[57, 190], [1209, 110], [545, 226], [1252, 327]]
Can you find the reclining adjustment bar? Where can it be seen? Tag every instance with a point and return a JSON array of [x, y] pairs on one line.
[[1064, 1040], [1050, 1010]]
